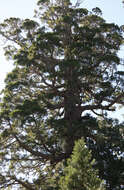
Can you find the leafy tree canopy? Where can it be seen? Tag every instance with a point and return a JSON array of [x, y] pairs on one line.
[[66, 67], [79, 173]]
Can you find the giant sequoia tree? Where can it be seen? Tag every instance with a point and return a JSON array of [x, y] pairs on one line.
[[66, 68]]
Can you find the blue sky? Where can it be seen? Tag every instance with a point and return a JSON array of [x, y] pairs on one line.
[[113, 11]]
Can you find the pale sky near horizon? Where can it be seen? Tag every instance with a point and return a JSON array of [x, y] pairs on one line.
[[113, 11]]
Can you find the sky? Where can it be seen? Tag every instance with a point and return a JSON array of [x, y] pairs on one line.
[[113, 11]]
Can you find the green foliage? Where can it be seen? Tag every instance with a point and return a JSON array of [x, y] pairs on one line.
[[79, 173], [66, 68]]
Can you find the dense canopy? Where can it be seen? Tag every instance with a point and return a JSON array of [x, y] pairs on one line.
[[65, 81]]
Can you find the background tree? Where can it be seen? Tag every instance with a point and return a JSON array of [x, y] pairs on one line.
[[66, 67]]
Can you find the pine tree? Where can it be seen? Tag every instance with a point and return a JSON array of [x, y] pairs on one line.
[[66, 66], [79, 173]]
